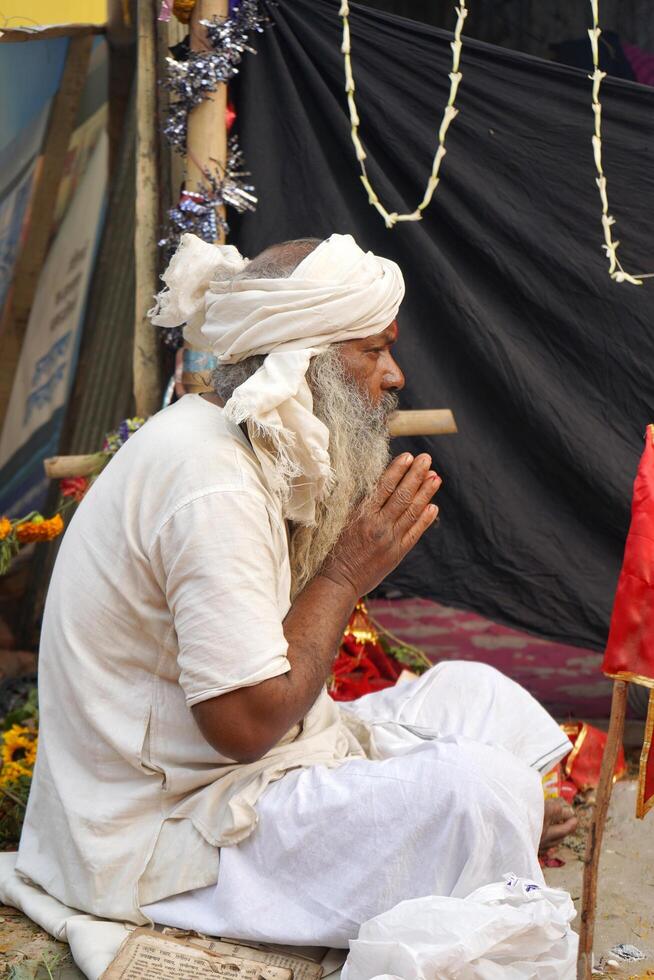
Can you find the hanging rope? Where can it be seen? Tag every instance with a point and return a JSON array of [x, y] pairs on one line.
[[450, 112]]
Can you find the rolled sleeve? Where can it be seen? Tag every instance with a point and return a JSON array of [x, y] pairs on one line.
[[221, 571]]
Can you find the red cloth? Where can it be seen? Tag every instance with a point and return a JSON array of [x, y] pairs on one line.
[[629, 652], [362, 664], [583, 763], [630, 649]]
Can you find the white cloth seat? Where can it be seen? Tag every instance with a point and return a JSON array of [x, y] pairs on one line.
[[93, 941], [450, 801]]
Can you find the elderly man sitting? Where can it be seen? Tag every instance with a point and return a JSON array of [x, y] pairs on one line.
[[192, 770]]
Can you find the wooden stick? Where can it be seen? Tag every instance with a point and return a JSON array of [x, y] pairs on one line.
[[147, 382], [424, 422], [62, 467], [13, 34], [34, 248], [594, 842]]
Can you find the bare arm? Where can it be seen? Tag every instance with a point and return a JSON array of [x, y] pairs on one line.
[[246, 723]]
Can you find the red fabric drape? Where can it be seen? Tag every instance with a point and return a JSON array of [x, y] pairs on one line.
[[629, 652]]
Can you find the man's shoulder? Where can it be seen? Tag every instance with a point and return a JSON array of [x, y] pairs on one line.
[[193, 435], [190, 449], [182, 452]]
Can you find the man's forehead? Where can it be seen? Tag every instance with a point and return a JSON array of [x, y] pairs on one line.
[[390, 333], [387, 336]]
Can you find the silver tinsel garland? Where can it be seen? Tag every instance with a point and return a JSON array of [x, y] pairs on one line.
[[192, 80], [198, 212]]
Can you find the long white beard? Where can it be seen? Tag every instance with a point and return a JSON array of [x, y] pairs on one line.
[[359, 454]]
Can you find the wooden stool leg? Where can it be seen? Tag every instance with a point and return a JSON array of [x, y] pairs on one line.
[[594, 843]]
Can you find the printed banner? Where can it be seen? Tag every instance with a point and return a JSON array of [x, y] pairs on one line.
[[19, 161], [35, 415]]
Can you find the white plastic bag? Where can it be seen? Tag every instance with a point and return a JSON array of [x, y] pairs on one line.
[[511, 930]]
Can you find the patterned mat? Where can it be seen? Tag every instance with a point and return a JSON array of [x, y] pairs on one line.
[[567, 680]]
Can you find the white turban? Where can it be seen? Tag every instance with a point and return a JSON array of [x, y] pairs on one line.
[[338, 292]]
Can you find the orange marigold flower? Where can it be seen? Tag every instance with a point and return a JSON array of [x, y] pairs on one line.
[[40, 530], [5, 528]]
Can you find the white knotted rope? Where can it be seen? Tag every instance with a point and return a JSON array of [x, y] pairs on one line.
[[616, 270], [450, 112]]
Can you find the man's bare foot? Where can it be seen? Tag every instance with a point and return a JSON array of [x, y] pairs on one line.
[[559, 821]]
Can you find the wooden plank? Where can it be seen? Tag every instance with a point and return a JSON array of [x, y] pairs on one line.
[[15, 35], [147, 350], [121, 42], [34, 248], [171, 161], [177, 164]]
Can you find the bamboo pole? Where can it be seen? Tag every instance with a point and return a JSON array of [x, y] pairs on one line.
[[206, 142], [423, 422], [63, 467], [146, 353], [206, 149], [427, 422], [594, 842]]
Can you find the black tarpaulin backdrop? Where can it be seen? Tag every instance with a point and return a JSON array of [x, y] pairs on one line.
[[510, 318]]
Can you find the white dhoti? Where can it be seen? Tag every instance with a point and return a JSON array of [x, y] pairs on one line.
[[451, 801]]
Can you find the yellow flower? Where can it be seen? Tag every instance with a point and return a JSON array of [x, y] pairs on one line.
[[5, 528], [9, 774], [18, 753], [39, 529]]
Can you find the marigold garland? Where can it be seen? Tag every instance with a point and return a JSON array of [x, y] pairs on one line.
[[24, 530], [38, 529], [35, 527]]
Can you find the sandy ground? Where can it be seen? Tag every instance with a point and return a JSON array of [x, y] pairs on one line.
[[625, 909]]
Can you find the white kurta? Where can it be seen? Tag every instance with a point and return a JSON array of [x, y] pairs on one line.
[[170, 587], [451, 800]]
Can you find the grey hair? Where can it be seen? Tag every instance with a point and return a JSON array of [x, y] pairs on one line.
[[275, 262], [279, 261], [226, 378]]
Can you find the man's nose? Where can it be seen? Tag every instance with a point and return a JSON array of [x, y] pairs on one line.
[[393, 378]]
